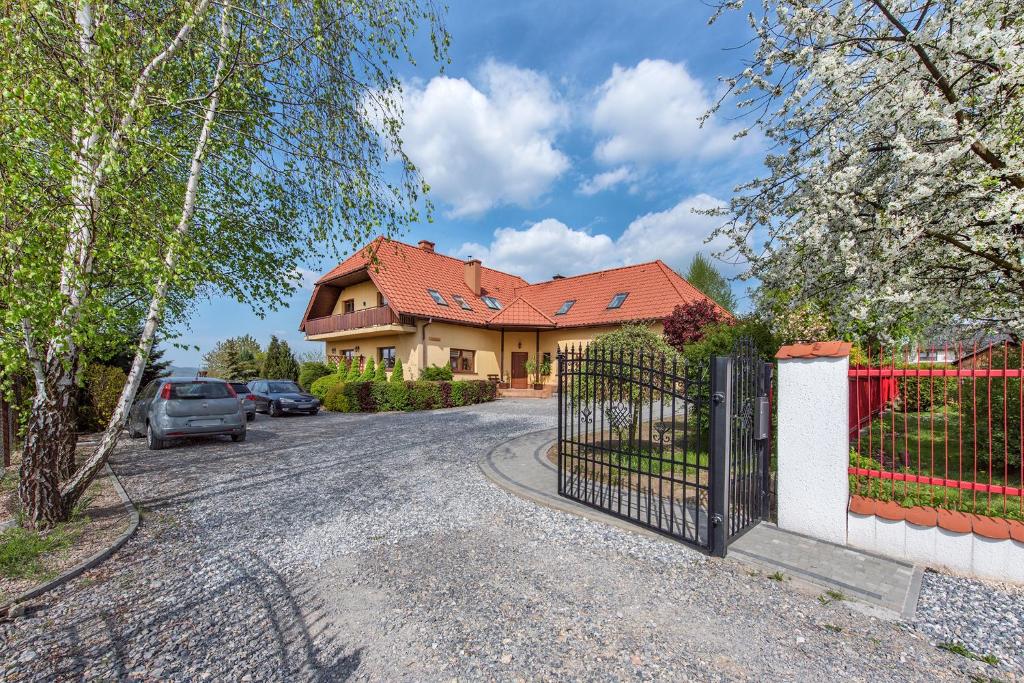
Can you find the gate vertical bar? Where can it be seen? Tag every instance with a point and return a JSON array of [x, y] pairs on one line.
[[718, 495], [561, 412], [766, 445]]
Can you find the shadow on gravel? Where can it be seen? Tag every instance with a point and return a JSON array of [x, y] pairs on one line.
[[229, 616]]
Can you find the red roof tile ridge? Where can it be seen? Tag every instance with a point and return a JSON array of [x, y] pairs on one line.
[[591, 273], [525, 301]]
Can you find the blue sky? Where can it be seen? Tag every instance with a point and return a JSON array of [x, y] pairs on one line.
[[563, 137]]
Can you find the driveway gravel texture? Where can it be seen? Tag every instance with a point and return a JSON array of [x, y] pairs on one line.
[[371, 547]]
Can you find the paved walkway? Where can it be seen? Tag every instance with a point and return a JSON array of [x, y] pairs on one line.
[[522, 467]]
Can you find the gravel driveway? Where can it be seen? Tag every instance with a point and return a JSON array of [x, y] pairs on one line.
[[372, 547]]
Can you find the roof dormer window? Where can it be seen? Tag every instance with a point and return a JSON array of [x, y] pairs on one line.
[[618, 299], [565, 307], [461, 302], [436, 296], [492, 302]]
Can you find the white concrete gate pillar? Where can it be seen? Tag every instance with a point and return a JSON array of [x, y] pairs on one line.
[[813, 486]]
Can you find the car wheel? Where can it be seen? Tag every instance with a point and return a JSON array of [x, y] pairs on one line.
[[238, 438], [133, 433], [314, 411], [249, 417], [154, 443], [274, 410]]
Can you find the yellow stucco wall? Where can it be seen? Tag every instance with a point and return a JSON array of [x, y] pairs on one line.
[[441, 338], [364, 294]]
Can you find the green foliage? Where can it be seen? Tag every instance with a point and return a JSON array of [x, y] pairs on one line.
[[354, 373], [236, 359], [381, 375], [311, 371], [22, 551], [721, 338], [391, 395], [279, 361], [321, 386], [703, 275], [437, 374], [995, 401], [336, 398], [103, 386], [368, 371], [397, 374], [423, 395]]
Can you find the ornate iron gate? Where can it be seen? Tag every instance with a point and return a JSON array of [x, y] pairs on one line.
[[679, 449]]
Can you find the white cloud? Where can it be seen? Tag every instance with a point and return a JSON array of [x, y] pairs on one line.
[[651, 113], [607, 180], [487, 146], [551, 247]]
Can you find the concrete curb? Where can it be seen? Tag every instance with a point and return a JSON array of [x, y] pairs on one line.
[[10, 609]]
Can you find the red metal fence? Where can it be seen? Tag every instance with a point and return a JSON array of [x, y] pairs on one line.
[[940, 427]]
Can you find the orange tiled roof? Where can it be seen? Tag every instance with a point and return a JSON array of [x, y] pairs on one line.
[[833, 349], [404, 272]]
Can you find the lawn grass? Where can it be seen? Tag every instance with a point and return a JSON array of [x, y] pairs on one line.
[[938, 443], [23, 552]]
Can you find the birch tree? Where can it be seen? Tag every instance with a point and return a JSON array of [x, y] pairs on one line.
[[894, 192], [151, 150]]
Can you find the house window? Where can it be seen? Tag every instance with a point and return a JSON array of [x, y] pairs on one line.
[[565, 307], [348, 354], [381, 299], [463, 360], [492, 302], [618, 299], [386, 356], [436, 296], [461, 302], [348, 305]]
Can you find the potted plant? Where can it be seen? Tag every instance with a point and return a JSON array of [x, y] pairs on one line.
[[533, 368], [544, 371]]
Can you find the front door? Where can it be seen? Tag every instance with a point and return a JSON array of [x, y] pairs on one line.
[[519, 378]]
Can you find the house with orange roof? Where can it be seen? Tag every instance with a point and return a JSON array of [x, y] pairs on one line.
[[393, 300]]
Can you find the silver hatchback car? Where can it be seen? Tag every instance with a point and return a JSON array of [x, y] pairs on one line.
[[171, 408]]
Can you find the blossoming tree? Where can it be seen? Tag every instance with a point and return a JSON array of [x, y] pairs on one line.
[[894, 191]]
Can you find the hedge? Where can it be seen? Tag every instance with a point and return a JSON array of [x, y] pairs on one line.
[[373, 397]]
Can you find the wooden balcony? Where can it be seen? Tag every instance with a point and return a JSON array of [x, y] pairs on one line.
[[367, 317]]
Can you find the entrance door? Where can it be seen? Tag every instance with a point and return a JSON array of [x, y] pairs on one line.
[[519, 378]]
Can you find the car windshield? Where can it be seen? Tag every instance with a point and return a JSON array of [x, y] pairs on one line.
[[190, 390], [284, 387], [240, 388]]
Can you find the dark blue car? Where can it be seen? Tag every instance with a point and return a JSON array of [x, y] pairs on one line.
[[275, 397]]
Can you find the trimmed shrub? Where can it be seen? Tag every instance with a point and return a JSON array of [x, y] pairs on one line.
[[397, 374], [423, 395], [337, 399], [437, 374], [381, 375], [311, 372], [353, 371], [368, 371], [321, 386]]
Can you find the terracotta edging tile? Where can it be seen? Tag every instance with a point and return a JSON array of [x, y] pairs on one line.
[[1017, 530], [954, 521], [890, 510], [859, 505], [922, 515], [990, 527]]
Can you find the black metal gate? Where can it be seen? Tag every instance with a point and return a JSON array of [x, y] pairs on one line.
[[680, 449]]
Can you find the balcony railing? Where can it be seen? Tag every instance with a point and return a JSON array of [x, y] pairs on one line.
[[367, 317]]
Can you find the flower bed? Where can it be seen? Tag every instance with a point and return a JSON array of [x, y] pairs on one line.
[[375, 397]]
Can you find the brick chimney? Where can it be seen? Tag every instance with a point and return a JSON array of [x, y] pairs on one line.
[[472, 274], [556, 276], [427, 246]]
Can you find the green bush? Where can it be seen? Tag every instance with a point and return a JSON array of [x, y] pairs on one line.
[[353, 371], [397, 374], [381, 375], [311, 372], [423, 395], [321, 386], [935, 392], [437, 374], [336, 398], [719, 340], [368, 371], [995, 401], [103, 386]]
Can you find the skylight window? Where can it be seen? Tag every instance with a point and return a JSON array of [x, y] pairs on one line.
[[492, 302], [436, 296], [565, 307], [461, 302], [617, 300]]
